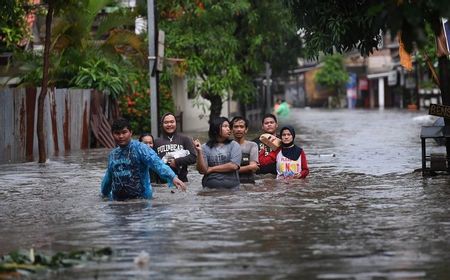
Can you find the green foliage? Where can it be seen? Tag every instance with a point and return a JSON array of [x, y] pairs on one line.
[[341, 26], [428, 54], [13, 25], [29, 65], [226, 43], [122, 18], [64, 67], [117, 64], [166, 103], [135, 104], [103, 75], [74, 49], [14, 30], [20, 261], [72, 28], [333, 73]]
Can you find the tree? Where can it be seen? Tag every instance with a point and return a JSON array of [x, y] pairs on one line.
[[13, 30], [53, 5], [72, 43], [13, 24], [342, 26], [226, 43], [333, 74]]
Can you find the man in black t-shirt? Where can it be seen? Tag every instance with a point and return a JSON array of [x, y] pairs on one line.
[[175, 149], [249, 162], [269, 125]]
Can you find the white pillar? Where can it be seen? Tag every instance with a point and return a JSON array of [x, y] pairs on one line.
[[381, 93], [152, 64], [371, 94]]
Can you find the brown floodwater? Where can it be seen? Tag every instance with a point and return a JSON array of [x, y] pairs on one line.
[[361, 214]]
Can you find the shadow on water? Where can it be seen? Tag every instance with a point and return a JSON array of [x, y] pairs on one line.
[[361, 214]]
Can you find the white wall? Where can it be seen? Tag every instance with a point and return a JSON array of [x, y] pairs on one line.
[[194, 117]]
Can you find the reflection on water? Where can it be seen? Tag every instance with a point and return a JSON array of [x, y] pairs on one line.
[[363, 214]]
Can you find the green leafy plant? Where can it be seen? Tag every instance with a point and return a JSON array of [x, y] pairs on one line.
[[135, 104], [333, 74], [103, 75], [13, 25], [20, 261], [225, 44]]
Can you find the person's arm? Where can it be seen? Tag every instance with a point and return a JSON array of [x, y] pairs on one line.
[[179, 184], [253, 164], [202, 166], [251, 167], [235, 160], [270, 158], [223, 168], [188, 145], [305, 169], [105, 187], [152, 160]]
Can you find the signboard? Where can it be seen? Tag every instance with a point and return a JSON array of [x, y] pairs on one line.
[[363, 84], [439, 110], [160, 51], [392, 78]]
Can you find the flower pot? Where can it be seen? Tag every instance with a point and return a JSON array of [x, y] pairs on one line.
[[412, 107]]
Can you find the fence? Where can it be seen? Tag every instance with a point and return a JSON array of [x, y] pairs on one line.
[[66, 122]]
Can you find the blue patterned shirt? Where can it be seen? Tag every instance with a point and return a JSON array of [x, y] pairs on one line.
[[127, 174]]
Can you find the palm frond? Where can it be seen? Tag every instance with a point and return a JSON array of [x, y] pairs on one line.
[[115, 20]]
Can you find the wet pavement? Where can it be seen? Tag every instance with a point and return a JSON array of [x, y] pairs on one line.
[[361, 214]]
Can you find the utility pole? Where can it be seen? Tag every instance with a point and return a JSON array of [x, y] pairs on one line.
[[267, 84], [151, 23]]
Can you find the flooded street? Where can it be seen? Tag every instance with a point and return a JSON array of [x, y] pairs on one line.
[[361, 214]]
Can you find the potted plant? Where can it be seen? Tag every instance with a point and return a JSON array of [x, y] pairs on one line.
[[412, 105]]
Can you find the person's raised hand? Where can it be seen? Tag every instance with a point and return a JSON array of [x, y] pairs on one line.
[[179, 184], [197, 145]]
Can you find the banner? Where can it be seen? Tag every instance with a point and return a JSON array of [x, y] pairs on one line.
[[446, 29], [442, 42], [351, 90]]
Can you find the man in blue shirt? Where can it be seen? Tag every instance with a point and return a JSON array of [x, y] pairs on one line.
[[127, 175]]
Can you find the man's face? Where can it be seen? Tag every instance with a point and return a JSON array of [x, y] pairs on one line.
[[122, 137], [269, 126], [239, 129], [169, 124]]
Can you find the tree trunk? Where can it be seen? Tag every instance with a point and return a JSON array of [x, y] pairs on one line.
[[44, 86], [216, 106], [444, 80]]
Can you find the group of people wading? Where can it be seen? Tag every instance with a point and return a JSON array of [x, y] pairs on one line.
[[223, 162]]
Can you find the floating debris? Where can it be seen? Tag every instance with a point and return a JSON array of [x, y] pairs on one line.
[[327, 155], [142, 259], [21, 262]]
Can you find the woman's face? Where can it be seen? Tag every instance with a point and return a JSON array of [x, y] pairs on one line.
[[147, 140], [225, 130], [286, 136]]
